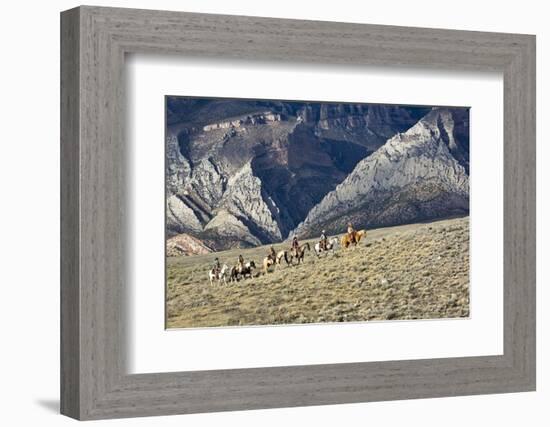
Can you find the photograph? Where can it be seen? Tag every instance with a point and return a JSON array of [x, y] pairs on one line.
[[282, 212]]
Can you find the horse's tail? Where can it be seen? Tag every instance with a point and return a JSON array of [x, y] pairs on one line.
[[286, 257], [307, 246]]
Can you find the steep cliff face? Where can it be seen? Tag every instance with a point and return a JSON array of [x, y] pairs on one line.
[[242, 173], [245, 200], [417, 175], [212, 189]]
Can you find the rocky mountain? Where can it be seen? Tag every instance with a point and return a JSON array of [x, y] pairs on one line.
[[417, 175], [240, 173]]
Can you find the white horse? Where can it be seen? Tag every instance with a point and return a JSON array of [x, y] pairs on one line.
[[331, 245], [284, 255], [222, 276], [268, 262]]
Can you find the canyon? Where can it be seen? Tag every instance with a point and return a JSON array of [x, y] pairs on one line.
[[244, 173]]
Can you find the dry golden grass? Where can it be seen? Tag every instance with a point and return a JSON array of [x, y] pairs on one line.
[[418, 271]]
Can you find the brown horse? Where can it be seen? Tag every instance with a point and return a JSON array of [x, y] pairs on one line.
[[300, 252], [357, 236]]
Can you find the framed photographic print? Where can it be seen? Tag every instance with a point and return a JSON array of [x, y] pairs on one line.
[[271, 206], [347, 210]]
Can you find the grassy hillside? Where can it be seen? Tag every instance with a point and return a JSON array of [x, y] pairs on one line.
[[418, 271]]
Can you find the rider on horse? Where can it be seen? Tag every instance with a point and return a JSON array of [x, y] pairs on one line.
[[272, 255], [323, 241], [240, 264], [216, 268], [351, 233], [295, 247]]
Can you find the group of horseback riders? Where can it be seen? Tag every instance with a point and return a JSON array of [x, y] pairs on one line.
[[294, 248], [323, 243], [216, 268], [241, 269]]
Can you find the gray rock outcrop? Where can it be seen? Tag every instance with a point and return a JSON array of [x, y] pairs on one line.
[[243, 173], [413, 177]]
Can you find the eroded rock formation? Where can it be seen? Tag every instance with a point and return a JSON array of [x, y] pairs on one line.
[[242, 173]]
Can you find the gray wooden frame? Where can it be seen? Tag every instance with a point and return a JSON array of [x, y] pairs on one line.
[[94, 381]]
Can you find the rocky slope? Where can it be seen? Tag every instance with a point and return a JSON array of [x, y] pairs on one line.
[[417, 175], [183, 245], [242, 173]]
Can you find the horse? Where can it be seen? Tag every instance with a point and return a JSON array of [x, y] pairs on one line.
[[233, 274], [246, 270], [283, 255], [301, 251], [268, 262], [331, 244], [346, 239], [222, 275]]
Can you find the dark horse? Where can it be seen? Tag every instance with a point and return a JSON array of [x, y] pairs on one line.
[[300, 252], [245, 271]]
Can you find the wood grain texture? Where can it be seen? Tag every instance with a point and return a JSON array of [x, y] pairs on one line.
[[70, 292], [95, 383]]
